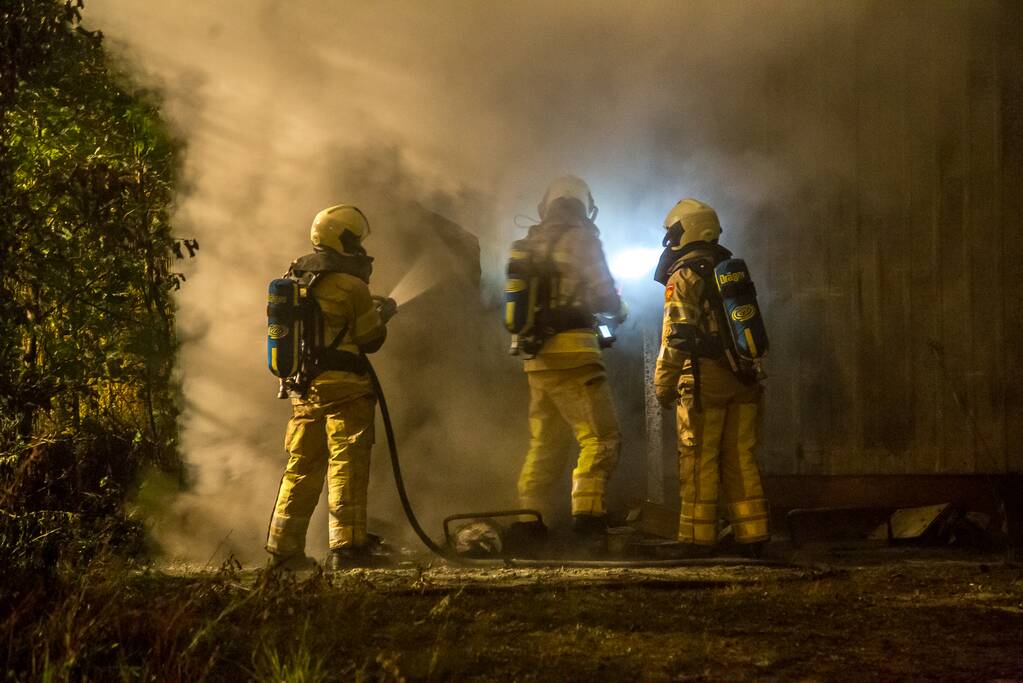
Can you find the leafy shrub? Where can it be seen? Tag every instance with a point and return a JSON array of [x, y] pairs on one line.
[[88, 171]]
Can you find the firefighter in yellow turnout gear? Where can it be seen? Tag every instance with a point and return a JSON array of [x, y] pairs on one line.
[[567, 381], [331, 431], [718, 407]]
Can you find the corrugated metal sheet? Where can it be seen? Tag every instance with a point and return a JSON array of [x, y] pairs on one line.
[[894, 299], [892, 281]]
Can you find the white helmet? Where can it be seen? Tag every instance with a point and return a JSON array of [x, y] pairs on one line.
[[341, 228], [568, 187], [698, 222]]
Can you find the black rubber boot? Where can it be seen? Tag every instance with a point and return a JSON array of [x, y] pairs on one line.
[[589, 525], [298, 562], [591, 535], [374, 554], [754, 551], [525, 539]]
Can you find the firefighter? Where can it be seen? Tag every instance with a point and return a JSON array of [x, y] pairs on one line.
[[567, 381], [718, 405], [330, 433]]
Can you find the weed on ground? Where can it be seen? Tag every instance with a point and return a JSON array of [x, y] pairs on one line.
[[901, 620]]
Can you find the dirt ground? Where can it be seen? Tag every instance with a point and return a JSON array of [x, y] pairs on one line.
[[860, 613]]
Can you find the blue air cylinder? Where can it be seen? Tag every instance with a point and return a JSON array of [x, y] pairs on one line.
[[519, 297], [283, 313], [739, 297]]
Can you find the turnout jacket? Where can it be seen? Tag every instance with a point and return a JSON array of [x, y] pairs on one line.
[[346, 303], [686, 302], [585, 283]]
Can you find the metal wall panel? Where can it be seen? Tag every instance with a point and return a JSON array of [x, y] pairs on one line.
[[895, 344]]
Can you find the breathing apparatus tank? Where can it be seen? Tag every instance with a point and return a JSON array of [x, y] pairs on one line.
[[284, 312], [520, 296], [739, 300], [294, 336]]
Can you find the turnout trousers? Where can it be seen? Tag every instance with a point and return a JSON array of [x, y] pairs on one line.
[[332, 440], [716, 457], [576, 400]]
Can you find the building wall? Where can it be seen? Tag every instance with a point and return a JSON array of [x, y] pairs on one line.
[[891, 281]]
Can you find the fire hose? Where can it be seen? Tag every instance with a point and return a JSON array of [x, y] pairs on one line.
[[451, 556]]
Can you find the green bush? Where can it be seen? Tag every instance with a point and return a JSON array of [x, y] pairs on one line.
[[88, 171]]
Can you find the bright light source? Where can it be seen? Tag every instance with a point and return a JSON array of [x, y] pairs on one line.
[[634, 263]]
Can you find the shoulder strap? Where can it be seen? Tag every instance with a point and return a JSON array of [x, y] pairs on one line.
[[580, 284], [702, 267], [711, 302], [344, 328]]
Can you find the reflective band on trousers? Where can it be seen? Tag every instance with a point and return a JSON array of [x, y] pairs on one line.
[[287, 534], [701, 511], [589, 486], [704, 533], [716, 458], [581, 397], [749, 520], [588, 496], [342, 534], [332, 440], [698, 523], [750, 531], [744, 509]]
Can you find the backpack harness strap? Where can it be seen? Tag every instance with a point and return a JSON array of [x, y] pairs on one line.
[[568, 317]]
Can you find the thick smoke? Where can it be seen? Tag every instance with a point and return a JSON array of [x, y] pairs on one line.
[[463, 109]]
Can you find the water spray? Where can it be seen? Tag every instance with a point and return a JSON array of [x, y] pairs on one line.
[[417, 280]]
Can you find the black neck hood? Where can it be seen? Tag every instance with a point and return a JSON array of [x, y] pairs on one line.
[[672, 259], [330, 261]]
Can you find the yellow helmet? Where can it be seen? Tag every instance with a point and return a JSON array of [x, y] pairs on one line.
[[698, 222], [341, 228], [568, 187]]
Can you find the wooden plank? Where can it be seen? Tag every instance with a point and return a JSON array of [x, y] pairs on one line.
[[866, 251], [922, 111], [954, 347], [892, 370], [771, 264], [780, 425], [1011, 171], [843, 329], [821, 255], [835, 388], [985, 382], [814, 385]]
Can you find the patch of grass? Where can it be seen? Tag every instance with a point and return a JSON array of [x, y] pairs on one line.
[[112, 621], [299, 666]]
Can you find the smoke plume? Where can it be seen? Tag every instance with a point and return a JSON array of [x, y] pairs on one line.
[[461, 110]]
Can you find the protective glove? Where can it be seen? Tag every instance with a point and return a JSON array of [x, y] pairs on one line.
[[386, 307], [666, 396], [623, 312]]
